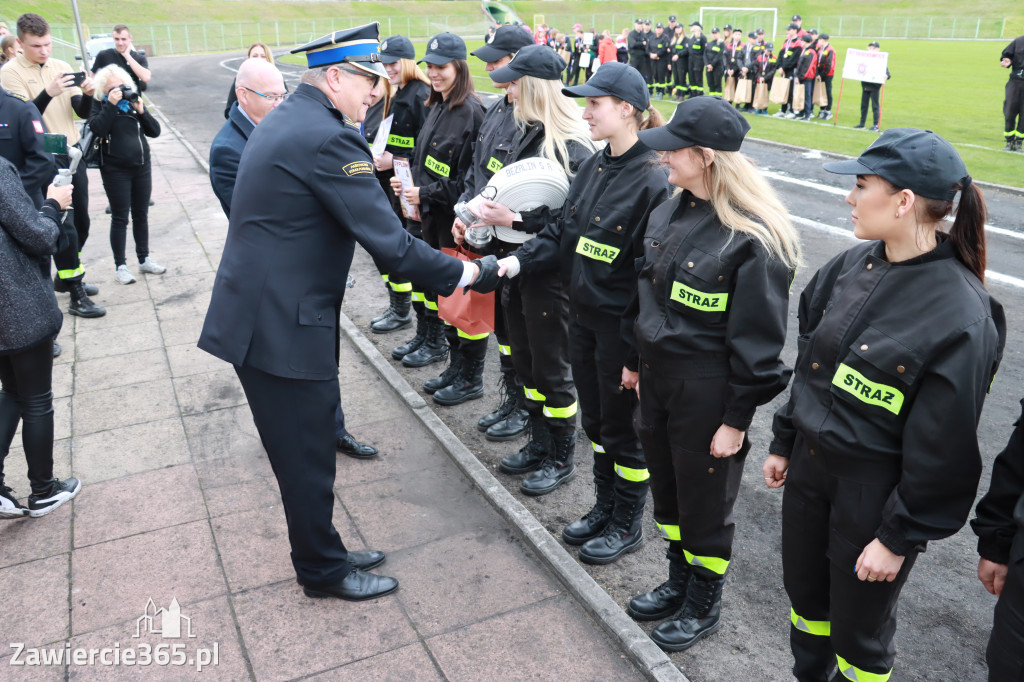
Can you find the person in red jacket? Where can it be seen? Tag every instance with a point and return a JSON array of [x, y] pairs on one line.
[[806, 69], [606, 51], [826, 70]]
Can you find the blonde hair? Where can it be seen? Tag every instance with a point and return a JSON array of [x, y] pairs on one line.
[[104, 74], [746, 203], [268, 55], [541, 101], [411, 72]]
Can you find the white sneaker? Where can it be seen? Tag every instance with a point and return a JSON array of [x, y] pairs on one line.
[[779, 114], [123, 276], [151, 267], [790, 115], [10, 508]]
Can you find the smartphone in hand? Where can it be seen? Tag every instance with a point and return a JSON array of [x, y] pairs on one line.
[[79, 78]]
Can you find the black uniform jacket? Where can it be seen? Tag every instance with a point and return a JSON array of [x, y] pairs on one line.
[[306, 193], [1000, 514], [712, 304], [681, 48], [492, 148], [1015, 53], [444, 153], [714, 55], [598, 235], [893, 364], [21, 143], [660, 46], [635, 44], [409, 109], [696, 46]]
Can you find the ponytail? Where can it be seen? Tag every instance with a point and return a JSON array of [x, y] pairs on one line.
[[968, 231], [654, 119]]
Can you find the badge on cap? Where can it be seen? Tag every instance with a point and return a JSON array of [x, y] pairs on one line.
[[384, 46], [433, 45]]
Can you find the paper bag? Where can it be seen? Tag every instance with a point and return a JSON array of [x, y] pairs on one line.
[[730, 88], [473, 312], [780, 90], [799, 97], [820, 98], [761, 95], [744, 91]]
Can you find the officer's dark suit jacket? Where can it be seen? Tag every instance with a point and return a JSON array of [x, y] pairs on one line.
[[21, 143], [226, 152], [306, 193]]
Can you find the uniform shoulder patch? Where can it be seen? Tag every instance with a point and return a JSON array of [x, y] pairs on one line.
[[358, 168]]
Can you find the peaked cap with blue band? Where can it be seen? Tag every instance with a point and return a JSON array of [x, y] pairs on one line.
[[359, 47]]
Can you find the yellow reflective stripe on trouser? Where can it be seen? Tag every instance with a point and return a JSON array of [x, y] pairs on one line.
[[534, 395], [431, 305], [418, 297], [384, 277], [669, 532], [402, 288], [472, 337], [504, 350], [634, 475], [560, 412], [855, 674], [821, 628], [68, 274], [712, 563], [597, 448]]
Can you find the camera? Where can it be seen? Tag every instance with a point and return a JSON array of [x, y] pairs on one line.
[[128, 95]]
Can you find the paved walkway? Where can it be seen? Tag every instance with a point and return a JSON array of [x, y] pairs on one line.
[[179, 503]]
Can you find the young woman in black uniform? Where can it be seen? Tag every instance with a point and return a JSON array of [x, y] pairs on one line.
[[713, 297], [536, 306], [594, 243], [877, 446], [444, 152], [409, 91]]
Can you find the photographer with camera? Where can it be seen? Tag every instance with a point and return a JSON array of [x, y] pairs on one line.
[[123, 54], [121, 118]]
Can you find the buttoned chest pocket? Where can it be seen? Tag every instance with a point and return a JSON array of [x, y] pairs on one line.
[[606, 236], [876, 378], [499, 155], [6, 132], [439, 159], [700, 287]]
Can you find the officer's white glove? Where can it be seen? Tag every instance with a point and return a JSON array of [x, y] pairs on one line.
[[508, 266]]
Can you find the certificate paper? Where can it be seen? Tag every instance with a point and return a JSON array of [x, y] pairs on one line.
[[404, 174]]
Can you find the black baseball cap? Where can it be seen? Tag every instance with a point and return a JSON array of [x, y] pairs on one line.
[[697, 24], [769, 46], [671, 17], [823, 36], [807, 38], [660, 25], [396, 47], [638, 21], [752, 35], [760, 31], [792, 27], [727, 27], [505, 41], [539, 61], [918, 160], [443, 48], [703, 121], [813, 31], [615, 79], [647, 22], [715, 30], [797, 17], [874, 43]]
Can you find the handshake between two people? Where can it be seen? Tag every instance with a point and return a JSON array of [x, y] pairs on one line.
[[490, 213]]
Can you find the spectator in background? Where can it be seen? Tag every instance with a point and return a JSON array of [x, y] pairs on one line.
[[540, 36], [870, 95], [714, 63], [124, 55], [606, 51], [826, 71], [679, 49], [261, 89], [622, 47], [789, 57], [4, 31], [255, 51], [806, 70], [1013, 106], [126, 168], [8, 49]]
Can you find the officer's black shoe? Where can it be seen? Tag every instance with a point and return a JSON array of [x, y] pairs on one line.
[[593, 522], [623, 534], [507, 392], [448, 376], [556, 469], [433, 349], [366, 559], [384, 314], [353, 448], [530, 456], [356, 586], [1019, 144], [858, 126], [509, 428], [398, 315], [81, 305], [468, 385], [1011, 146], [415, 342], [666, 598], [700, 616], [63, 286]]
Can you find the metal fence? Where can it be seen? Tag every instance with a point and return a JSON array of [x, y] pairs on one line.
[[192, 38]]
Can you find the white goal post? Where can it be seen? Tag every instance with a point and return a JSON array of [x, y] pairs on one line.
[[719, 16]]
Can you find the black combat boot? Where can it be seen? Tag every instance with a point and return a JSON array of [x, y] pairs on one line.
[[63, 286], [398, 315], [81, 304], [388, 310], [625, 532], [533, 453], [506, 393], [1011, 145], [434, 347], [469, 383], [700, 616], [416, 341], [556, 469], [450, 373], [516, 418], [1018, 144], [668, 597], [596, 520]]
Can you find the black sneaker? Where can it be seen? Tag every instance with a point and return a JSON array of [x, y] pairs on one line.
[[10, 508], [59, 493]]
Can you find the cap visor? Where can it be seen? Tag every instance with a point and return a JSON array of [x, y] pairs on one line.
[[505, 74], [848, 167], [661, 140], [584, 91], [370, 68], [436, 59], [489, 53], [388, 59]]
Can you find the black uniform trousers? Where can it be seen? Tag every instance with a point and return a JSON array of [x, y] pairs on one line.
[[826, 523], [1013, 108], [869, 95], [715, 81], [808, 86], [827, 80], [396, 282], [643, 65], [679, 78], [606, 408], [501, 334], [1005, 654], [68, 260], [660, 77], [536, 311], [696, 76], [694, 492], [295, 420]]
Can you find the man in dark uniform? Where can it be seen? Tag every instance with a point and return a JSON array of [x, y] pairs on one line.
[[1013, 106], [306, 193], [635, 46], [714, 62], [21, 143], [697, 44], [647, 39], [659, 52], [870, 95], [122, 54]]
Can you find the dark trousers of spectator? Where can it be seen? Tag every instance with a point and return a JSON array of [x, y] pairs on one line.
[[68, 259], [26, 396], [827, 80], [1013, 109], [662, 78], [1005, 654], [808, 86], [679, 87], [869, 95], [128, 190], [715, 81], [696, 77]]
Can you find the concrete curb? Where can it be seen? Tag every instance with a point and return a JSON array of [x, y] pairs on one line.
[[651, 660]]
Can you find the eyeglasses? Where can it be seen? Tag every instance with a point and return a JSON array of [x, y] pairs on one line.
[[374, 78], [272, 98]]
